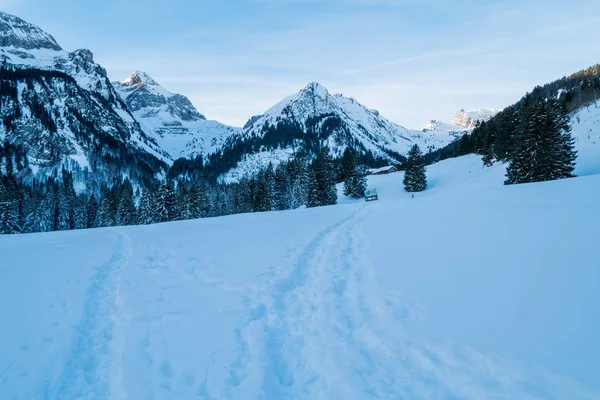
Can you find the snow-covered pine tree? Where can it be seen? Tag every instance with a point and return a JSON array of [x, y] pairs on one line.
[[80, 212], [359, 182], [38, 220], [164, 203], [193, 208], [146, 210], [9, 209], [415, 178]]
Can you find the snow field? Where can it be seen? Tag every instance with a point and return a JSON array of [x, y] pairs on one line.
[[471, 290]]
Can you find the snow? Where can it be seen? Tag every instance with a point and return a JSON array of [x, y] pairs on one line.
[[468, 119], [176, 137], [585, 126], [470, 290], [365, 125], [377, 170], [251, 163]]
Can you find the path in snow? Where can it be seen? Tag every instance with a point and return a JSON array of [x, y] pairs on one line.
[[93, 370], [306, 304]]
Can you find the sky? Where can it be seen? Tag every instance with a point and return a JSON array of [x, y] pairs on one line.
[[413, 60]]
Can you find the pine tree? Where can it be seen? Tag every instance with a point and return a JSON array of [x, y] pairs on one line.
[[545, 148], [355, 176], [324, 176], [349, 162], [415, 178], [146, 213], [9, 210], [92, 211], [39, 219], [312, 190], [126, 213], [164, 203]]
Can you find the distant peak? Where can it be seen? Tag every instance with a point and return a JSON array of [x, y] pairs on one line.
[[139, 78], [316, 88], [21, 34]]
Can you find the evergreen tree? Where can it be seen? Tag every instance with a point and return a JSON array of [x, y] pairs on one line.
[[164, 203], [324, 179], [39, 219], [415, 178], [92, 211], [126, 212], [146, 213], [349, 162], [355, 176], [312, 190], [9, 209], [545, 147]]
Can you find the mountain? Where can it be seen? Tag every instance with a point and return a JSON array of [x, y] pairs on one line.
[[313, 117], [469, 119], [171, 119], [63, 110], [16, 33], [462, 122], [497, 139]]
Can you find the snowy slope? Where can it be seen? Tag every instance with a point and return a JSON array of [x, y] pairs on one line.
[[472, 290], [339, 122], [171, 119], [585, 126]]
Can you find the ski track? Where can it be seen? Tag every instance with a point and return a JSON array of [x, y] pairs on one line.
[[93, 370], [314, 332]]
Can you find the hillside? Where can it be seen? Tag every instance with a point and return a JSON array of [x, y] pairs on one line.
[[61, 108], [347, 301], [577, 97]]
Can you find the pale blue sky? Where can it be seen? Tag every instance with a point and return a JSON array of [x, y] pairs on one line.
[[412, 60]]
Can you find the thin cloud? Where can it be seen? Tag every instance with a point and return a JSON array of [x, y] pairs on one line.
[[418, 57]]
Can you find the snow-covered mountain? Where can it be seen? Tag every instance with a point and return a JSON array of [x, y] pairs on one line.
[[171, 119], [62, 108], [314, 116], [14, 32], [462, 122], [468, 119]]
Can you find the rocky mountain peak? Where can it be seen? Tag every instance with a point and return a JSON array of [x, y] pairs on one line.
[[82, 55], [139, 78], [17, 33], [468, 119], [315, 89]]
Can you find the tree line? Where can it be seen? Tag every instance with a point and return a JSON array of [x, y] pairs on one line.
[[54, 205], [533, 135]]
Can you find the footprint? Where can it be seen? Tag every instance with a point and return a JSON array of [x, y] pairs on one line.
[[189, 380], [166, 369]]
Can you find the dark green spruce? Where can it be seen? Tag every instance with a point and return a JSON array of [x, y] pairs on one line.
[[415, 178]]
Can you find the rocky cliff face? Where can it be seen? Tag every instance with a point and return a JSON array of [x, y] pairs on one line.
[[171, 119], [19, 34], [468, 119], [62, 108]]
